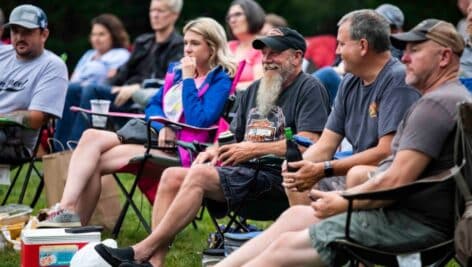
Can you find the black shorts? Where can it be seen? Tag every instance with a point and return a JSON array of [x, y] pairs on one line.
[[246, 182]]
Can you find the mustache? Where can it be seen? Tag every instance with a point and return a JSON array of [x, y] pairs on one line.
[[21, 43]]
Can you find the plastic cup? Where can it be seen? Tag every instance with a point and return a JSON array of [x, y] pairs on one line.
[[99, 106]]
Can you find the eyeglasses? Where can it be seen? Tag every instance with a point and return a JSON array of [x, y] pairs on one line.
[[234, 15]]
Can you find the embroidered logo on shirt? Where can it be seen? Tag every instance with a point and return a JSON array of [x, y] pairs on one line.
[[373, 110]]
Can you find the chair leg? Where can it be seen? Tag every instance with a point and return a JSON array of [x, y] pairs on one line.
[[12, 185], [129, 201], [26, 181], [39, 190]]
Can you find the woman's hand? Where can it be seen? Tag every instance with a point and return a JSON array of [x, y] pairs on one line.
[[123, 93], [189, 66], [307, 175], [166, 137]]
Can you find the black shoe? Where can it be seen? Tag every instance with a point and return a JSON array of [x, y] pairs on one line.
[[115, 256], [134, 264]]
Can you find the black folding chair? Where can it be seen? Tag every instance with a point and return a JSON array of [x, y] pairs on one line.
[[28, 163], [266, 207], [437, 254]]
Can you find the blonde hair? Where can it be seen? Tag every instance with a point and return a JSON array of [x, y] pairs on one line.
[[215, 36]]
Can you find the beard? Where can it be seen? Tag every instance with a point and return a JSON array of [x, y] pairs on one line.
[[269, 91], [271, 85]]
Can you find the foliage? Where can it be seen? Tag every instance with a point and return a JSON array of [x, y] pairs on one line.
[[70, 20]]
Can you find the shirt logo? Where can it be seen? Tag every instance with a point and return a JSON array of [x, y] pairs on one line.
[[373, 110]]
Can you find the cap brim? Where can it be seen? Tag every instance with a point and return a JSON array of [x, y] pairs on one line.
[[22, 24], [399, 40], [269, 42]]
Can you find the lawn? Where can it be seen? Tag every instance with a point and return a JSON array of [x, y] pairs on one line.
[[186, 249]]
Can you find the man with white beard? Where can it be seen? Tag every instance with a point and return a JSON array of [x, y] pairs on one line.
[[284, 97]]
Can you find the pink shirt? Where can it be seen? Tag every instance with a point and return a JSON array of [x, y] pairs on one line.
[[253, 57]]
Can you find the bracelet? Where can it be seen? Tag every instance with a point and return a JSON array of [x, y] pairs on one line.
[[328, 169]]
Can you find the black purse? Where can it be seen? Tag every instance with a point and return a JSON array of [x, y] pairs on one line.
[[135, 132]]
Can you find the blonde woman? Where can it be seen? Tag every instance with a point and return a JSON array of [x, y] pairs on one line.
[[196, 96]]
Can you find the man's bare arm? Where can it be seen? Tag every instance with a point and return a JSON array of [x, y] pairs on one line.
[[406, 168], [241, 152], [371, 156], [29, 118], [324, 148]]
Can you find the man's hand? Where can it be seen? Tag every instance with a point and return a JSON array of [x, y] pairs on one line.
[[326, 204], [166, 137], [123, 93], [209, 155], [233, 154], [306, 176]]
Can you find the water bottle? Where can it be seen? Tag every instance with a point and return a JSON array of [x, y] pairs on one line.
[[293, 153]]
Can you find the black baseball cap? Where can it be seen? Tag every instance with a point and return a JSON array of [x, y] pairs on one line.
[[280, 39], [28, 16]]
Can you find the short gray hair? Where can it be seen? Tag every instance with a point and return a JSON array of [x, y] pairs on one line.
[[368, 24], [174, 5]]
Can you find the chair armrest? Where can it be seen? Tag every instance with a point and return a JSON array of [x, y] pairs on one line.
[[10, 122], [405, 190], [397, 192], [108, 114], [180, 125]]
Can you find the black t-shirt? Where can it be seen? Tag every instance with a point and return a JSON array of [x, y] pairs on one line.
[[303, 105]]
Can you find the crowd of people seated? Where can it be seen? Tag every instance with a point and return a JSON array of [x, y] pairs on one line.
[[381, 95]]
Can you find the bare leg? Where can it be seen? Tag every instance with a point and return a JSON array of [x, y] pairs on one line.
[[289, 249], [98, 153], [201, 180], [169, 185], [285, 223], [358, 175], [84, 165]]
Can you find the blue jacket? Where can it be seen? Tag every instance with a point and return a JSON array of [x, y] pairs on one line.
[[199, 111]]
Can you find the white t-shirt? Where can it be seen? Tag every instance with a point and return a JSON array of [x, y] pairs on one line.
[[37, 84]]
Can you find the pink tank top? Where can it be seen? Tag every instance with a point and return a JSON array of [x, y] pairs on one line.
[[252, 58]]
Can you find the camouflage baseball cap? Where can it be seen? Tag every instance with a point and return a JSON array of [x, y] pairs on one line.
[[28, 16]]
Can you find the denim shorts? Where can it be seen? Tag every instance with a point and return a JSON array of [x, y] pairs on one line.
[[385, 229], [246, 182]]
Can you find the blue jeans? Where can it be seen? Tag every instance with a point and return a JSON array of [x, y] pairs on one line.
[[73, 124]]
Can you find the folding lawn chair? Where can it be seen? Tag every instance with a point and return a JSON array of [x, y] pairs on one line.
[[148, 167], [265, 207], [28, 163], [435, 255]]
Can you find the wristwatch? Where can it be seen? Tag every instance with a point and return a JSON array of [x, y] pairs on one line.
[[328, 169]]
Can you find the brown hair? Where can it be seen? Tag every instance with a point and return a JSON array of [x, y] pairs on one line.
[[119, 36]]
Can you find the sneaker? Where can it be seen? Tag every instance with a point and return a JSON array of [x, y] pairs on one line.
[[60, 218]]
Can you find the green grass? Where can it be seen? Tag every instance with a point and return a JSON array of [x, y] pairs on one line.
[[186, 250]]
